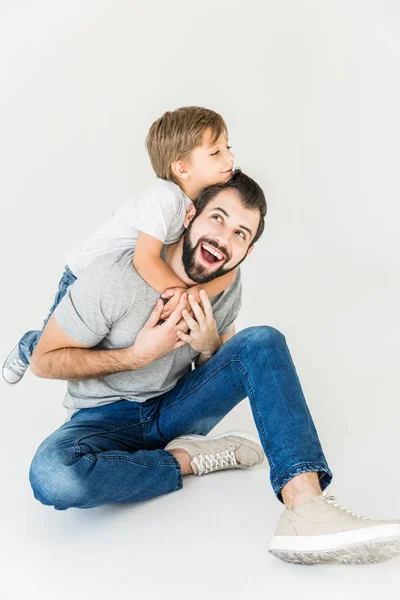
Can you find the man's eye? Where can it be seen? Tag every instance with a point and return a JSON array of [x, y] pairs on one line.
[[216, 217], [242, 234]]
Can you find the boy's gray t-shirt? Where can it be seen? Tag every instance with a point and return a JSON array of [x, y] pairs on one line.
[[106, 308]]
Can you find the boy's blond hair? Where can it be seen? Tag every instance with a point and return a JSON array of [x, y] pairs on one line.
[[176, 133]]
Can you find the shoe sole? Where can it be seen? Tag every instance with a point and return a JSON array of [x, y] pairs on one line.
[[238, 432], [372, 547], [4, 366]]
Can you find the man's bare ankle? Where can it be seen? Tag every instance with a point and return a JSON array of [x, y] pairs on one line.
[[301, 489], [183, 459]]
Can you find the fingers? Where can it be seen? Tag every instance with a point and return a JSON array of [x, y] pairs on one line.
[[205, 301], [175, 316], [182, 326], [165, 314], [168, 293], [184, 337], [179, 344], [198, 313], [155, 315], [191, 323]]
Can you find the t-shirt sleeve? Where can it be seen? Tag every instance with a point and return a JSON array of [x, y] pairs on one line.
[[92, 304], [155, 213], [235, 302]]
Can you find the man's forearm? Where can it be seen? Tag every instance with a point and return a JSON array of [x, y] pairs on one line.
[[84, 363]]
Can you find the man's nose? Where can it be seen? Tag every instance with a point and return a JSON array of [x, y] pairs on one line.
[[224, 244]]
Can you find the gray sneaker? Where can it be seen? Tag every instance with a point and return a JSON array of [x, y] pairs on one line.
[[232, 450], [13, 367], [323, 531]]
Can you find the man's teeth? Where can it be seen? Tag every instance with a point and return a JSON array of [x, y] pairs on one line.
[[213, 251]]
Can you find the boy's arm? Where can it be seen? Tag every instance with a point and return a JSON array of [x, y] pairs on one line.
[[149, 264], [214, 287]]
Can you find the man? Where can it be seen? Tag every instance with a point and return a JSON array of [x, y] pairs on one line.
[[139, 414]]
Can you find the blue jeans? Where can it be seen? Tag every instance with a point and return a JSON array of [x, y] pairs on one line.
[[114, 454], [28, 342]]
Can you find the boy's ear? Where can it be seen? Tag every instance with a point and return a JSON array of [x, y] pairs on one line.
[[191, 211], [180, 169]]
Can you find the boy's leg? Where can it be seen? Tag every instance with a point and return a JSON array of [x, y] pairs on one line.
[[100, 457], [255, 363], [29, 340]]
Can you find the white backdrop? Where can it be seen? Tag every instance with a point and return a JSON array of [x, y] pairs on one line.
[[310, 90]]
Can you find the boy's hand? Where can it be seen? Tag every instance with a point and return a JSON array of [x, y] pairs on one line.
[[173, 295]]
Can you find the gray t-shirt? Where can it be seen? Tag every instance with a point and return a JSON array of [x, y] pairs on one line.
[[159, 212], [106, 308]]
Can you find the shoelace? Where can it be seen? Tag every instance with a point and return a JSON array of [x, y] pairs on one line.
[[17, 366], [329, 499], [206, 463]]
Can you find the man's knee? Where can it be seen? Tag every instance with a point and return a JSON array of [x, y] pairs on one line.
[[54, 480], [261, 336]]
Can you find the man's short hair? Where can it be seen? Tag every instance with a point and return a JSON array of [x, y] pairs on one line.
[[174, 135], [249, 192]]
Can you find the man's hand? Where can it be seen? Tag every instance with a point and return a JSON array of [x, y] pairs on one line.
[[203, 335], [155, 341]]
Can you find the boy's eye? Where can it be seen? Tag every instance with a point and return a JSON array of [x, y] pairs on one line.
[[229, 147], [214, 153]]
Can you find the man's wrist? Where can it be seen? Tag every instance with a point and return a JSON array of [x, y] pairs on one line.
[[137, 358], [213, 350]]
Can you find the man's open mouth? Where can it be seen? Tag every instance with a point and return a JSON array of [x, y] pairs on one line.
[[210, 255]]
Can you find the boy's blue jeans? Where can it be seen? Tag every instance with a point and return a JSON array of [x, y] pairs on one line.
[[28, 342], [114, 453]]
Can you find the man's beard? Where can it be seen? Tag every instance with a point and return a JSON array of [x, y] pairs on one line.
[[199, 272]]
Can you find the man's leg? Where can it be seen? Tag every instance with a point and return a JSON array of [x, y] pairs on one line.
[[255, 363], [101, 457]]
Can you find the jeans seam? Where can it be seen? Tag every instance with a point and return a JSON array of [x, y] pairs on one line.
[[94, 457], [255, 408]]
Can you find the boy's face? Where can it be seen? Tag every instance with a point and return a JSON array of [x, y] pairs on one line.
[[211, 163], [219, 238]]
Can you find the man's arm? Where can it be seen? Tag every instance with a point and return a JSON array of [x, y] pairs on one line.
[[58, 356]]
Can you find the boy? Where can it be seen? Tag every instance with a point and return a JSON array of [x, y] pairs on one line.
[[189, 151]]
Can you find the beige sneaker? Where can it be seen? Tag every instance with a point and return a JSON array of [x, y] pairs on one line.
[[323, 531], [232, 450]]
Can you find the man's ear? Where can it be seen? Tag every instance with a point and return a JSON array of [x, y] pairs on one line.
[[191, 211], [181, 169], [250, 250]]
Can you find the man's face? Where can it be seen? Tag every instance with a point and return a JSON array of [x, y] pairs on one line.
[[218, 240]]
